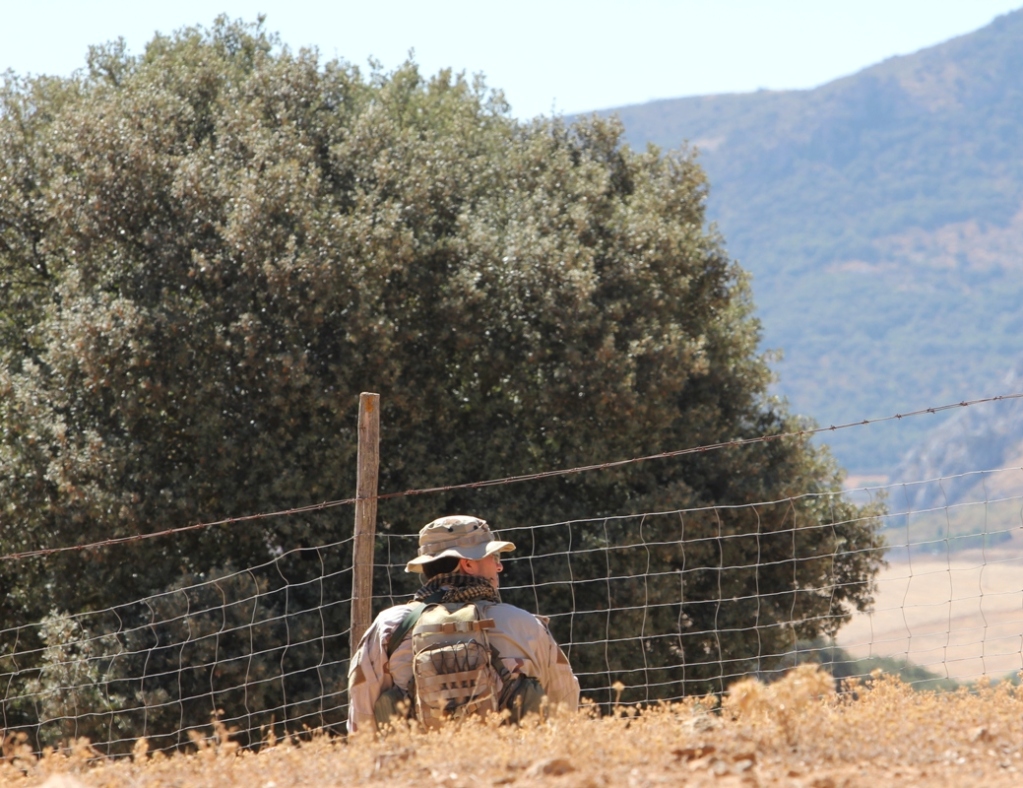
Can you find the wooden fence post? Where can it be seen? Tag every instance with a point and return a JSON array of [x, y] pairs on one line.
[[365, 517]]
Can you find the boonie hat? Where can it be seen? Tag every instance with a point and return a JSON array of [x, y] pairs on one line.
[[456, 535]]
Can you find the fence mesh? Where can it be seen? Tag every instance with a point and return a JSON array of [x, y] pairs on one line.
[[666, 604]]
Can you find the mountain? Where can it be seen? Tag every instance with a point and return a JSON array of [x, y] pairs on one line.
[[943, 469], [881, 216]]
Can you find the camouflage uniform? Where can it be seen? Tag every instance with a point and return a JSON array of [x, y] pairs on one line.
[[523, 641]]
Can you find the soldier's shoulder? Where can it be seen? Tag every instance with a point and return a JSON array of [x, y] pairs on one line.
[[393, 614], [396, 609], [505, 610]]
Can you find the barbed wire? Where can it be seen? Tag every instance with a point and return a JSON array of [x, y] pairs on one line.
[[734, 443]]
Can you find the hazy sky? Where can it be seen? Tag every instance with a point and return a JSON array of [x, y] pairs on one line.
[[560, 56]]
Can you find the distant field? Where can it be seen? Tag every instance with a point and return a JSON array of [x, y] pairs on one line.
[[960, 617]]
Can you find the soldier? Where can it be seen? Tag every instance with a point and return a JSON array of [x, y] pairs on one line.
[[456, 648]]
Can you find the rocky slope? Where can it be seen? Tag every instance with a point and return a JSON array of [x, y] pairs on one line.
[[881, 216]]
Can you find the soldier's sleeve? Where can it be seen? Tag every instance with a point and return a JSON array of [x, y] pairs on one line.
[[369, 673], [365, 677], [559, 682]]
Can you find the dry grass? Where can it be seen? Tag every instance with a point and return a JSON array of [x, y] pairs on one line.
[[794, 732]]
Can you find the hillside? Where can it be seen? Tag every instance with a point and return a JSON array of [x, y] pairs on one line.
[[881, 216], [984, 437]]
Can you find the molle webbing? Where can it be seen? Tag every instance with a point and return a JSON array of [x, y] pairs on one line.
[[452, 664], [450, 685], [450, 627]]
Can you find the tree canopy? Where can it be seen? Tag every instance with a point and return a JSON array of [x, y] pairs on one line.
[[211, 248]]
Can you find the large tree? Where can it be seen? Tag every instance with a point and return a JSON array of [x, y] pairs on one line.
[[210, 249]]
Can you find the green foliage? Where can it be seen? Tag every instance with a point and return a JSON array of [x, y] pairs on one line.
[[692, 602], [257, 654], [70, 694], [216, 245]]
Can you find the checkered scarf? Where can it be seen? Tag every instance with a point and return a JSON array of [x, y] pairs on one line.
[[457, 587]]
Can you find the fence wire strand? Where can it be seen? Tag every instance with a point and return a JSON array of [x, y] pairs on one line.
[[657, 601], [317, 507]]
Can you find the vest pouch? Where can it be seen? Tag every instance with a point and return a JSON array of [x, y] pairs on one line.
[[393, 704], [451, 664], [523, 695]]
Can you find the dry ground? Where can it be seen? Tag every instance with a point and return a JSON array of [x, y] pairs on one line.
[[795, 732], [959, 616]]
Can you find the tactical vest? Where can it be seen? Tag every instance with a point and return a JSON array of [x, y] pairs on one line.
[[453, 666], [456, 662]]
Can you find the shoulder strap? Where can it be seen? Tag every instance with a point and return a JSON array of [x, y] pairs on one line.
[[409, 621]]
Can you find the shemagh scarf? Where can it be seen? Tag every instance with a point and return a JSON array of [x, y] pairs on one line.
[[457, 587]]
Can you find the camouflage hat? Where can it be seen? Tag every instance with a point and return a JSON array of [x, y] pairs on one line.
[[458, 536]]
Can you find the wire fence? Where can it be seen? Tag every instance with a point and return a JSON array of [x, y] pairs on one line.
[[666, 603]]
